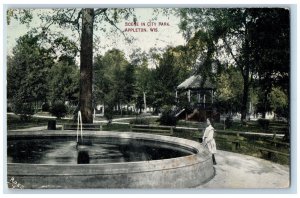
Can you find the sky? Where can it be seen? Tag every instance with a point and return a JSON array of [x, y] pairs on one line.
[[165, 32]]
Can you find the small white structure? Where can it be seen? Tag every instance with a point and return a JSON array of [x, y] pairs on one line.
[[99, 111]]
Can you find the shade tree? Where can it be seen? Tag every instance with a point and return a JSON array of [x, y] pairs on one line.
[[83, 21]]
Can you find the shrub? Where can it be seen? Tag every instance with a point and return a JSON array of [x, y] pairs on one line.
[[108, 114], [228, 122], [264, 123], [58, 110], [168, 117], [25, 110], [9, 109], [140, 121], [71, 110], [45, 107]]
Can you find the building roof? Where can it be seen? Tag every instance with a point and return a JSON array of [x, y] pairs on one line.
[[196, 82]]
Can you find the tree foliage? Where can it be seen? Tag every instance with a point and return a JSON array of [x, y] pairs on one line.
[[245, 52], [255, 41], [270, 49], [26, 73], [64, 82], [279, 102], [36, 74], [84, 21], [114, 79], [143, 80], [170, 72], [229, 91]]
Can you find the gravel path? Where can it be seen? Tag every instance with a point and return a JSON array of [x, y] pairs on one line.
[[242, 171]]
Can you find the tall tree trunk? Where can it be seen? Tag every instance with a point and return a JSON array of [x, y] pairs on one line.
[[246, 75], [145, 104], [86, 65], [245, 99]]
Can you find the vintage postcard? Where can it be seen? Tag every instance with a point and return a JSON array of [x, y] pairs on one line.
[[148, 98]]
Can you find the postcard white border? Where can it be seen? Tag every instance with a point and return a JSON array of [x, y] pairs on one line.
[[292, 4]]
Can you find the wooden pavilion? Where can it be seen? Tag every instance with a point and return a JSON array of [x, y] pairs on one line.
[[197, 94]]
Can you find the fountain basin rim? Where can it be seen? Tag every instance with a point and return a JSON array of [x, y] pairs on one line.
[[181, 172], [200, 156]]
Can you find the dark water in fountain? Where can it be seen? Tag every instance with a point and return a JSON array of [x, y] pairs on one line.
[[63, 150]]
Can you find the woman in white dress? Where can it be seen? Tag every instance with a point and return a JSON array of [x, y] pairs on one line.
[[208, 140]]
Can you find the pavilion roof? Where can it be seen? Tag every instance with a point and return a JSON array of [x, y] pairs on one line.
[[196, 82]]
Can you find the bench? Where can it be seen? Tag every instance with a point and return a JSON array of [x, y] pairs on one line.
[[271, 152], [235, 143], [161, 130], [72, 126], [277, 143]]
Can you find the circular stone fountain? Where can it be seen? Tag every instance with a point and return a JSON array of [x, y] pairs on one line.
[[107, 160]]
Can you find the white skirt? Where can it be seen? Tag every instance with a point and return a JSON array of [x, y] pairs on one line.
[[211, 146]]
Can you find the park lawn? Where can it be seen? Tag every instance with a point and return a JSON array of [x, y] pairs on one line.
[[116, 127], [14, 122]]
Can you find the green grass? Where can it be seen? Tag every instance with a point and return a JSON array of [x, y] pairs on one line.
[[14, 122], [43, 113], [116, 127]]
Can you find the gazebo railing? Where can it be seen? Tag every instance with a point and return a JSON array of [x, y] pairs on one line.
[[203, 105]]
